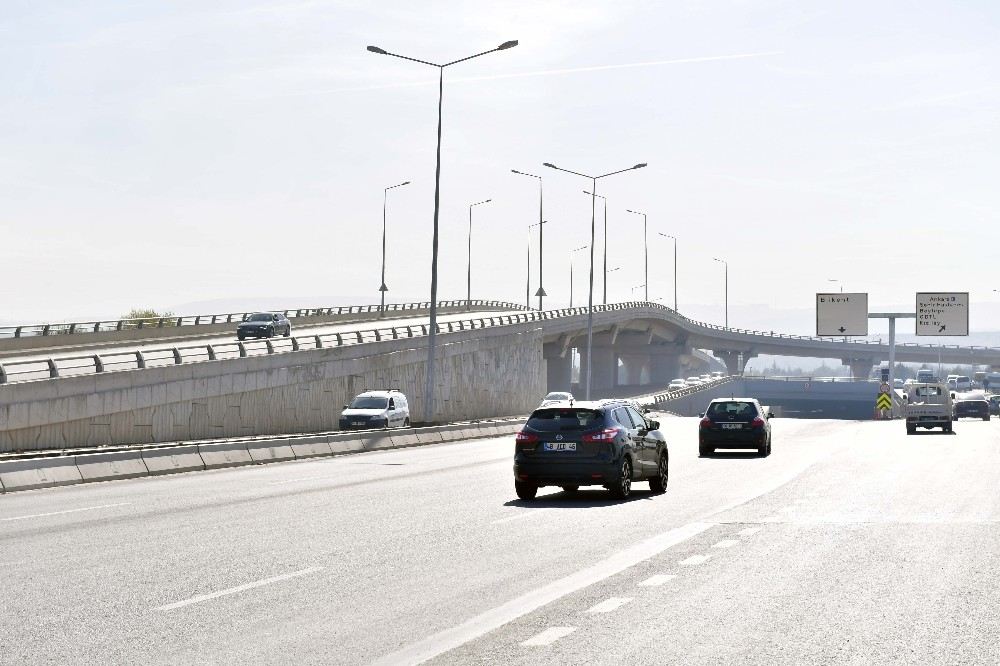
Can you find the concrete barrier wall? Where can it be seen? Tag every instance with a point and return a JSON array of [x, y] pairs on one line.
[[32, 473], [271, 395]]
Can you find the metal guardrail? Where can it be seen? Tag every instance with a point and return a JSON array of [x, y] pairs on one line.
[[51, 368], [73, 328], [664, 396]]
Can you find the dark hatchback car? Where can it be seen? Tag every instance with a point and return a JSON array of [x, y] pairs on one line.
[[734, 423], [978, 408], [604, 443], [264, 325]]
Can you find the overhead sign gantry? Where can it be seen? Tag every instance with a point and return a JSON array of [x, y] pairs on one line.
[[943, 313]]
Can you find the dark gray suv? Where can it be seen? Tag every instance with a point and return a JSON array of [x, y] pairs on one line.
[[604, 443]]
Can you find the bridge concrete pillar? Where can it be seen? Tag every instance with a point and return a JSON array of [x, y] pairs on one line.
[[635, 369], [664, 366], [558, 372], [861, 368], [731, 359], [605, 372]]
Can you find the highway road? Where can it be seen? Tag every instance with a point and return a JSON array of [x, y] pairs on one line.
[[254, 346], [851, 543]]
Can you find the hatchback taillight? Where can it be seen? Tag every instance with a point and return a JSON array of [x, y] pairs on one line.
[[757, 422], [606, 435], [706, 422]]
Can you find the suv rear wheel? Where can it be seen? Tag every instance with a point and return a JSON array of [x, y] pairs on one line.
[[623, 487], [658, 484], [525, 491]]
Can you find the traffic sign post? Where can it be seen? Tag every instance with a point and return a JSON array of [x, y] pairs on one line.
[[943, 313], [841, 314]]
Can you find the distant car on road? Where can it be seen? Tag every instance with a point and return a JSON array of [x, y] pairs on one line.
[[734, 423], [693, 381], [556, 396], [972, 408], [605, 443], [376, 409], [677, 384], [264, 325]]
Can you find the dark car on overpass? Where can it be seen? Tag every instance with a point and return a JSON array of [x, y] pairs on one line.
[[264, 325], [602, 443], [734, 423], [978, 408]]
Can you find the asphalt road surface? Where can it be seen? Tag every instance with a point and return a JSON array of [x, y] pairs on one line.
[[851, 543]]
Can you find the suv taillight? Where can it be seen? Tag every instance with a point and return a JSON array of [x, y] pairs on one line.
[[757, 422], [606, 435], [706, 422], [526, 438]]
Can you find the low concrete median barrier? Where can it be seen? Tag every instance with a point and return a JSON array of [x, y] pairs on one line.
[[404, 438], [375, 441], [270, 450], [311, 447], [224, 454], [346, 444], [173, 459], [39, 473], [108, 466]]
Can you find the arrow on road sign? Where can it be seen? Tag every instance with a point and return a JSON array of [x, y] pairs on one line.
[[943, 326], [883, 401], [841, 329]]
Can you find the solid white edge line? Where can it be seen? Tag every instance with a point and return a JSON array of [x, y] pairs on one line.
[[549, 636], [449, 639], [60, 513], [519, 516], [241, 588]]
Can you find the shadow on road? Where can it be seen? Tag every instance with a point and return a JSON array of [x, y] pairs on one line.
[[733, 455], [582, 499]]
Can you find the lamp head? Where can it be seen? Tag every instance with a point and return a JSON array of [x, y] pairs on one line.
[[551, 166], [375, 49], [507, 45], [639, 166]]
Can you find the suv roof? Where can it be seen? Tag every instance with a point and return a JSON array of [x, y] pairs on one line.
[[379, 393]]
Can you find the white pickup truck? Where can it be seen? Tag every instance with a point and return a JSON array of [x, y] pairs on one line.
[[928, 406]]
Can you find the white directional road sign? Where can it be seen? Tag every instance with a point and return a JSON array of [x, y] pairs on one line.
[[943, 313], [841, 314]]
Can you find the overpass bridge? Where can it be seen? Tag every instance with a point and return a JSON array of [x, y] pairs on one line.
[[497, 363]]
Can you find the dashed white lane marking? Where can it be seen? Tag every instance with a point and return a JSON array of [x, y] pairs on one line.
[[441, 642], [518, 516], [749, 531], [695, 559], [726, 543], [549, 636], [60, 513], [609, 605], [241, 588], [657, 580]]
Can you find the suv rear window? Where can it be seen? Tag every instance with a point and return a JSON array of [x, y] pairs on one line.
[[733, 408], [556, 419]]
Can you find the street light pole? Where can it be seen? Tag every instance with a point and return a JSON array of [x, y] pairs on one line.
[[571, 253], [605, 242], [838, 282], [675, 266], [724, 263], [432, 328], [541, 255], [385, 198], [468, 276], [645, 244], [590, 297], [527, 283]]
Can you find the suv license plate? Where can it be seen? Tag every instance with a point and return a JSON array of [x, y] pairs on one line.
[[560, 446], [357, 423], [732, 426]]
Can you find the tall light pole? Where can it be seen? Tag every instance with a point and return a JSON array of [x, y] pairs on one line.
[[724, 263], [527, 281], [541, 255], [645, 244], [385, 199], [838, 282], [675, 266], [590, 297], [468, 275], [571, 253], [432, 328], [605, 242]]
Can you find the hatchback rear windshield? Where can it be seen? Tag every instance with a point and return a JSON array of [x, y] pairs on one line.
[[563, 419], [733, 408], [369, 402]]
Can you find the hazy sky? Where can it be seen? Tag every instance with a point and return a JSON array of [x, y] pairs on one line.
[[160, 154]]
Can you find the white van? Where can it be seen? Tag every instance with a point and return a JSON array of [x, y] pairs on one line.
[[376, 409]]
